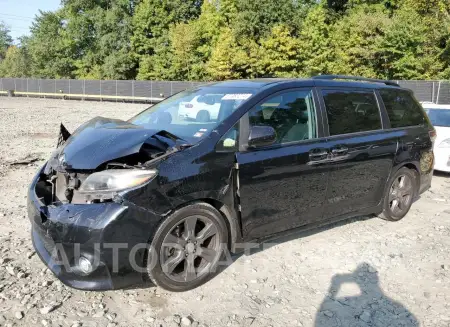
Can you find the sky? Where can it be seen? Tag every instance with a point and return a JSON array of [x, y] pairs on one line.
[[18, 14]]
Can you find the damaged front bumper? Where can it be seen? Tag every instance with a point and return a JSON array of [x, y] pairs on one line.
[[98, 246]]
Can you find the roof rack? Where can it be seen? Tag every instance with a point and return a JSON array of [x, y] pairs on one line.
[[355, 78]]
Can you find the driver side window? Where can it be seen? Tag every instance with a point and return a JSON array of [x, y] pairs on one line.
[[291, 114]]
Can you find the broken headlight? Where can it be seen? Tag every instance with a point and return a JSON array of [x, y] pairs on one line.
[[115, 180]]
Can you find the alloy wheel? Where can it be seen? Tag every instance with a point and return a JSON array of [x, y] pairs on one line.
[[401, 195], [190, 248]]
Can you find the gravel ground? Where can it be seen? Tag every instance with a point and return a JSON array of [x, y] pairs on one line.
[[363, 272]]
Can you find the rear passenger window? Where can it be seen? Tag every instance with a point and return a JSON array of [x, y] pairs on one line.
[[402, 109], [351, 111]]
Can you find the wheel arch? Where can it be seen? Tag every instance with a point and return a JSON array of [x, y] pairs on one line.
[[227, 215], [411, 166], [231, 222]]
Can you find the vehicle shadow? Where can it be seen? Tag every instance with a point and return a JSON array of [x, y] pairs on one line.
[[369, 307]]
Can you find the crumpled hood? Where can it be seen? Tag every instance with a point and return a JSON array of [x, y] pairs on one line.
[[101, 140]]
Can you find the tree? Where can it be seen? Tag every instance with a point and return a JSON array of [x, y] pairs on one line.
[[407, 51], [356, 38], [186, 63], [316, 53], [256, 18], [215, 15], [337, 5], [5, 40], [158, 65], [50, 47], [426, 7], [15, 64], [221, 39], [280, 55], [150, 40], [182, 53], [152, 19], [103, 33], [228, 60]]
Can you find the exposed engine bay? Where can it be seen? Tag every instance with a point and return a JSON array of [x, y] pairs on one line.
[[67, 170]]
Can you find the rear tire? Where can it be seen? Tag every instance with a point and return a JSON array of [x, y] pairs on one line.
[[187, 248], [400, 194]]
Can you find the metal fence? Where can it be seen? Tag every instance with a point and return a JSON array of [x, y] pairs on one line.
[[430, 91], [151, 91], [154, 91]]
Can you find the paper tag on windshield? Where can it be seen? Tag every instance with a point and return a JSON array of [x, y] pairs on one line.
[[236, 96]]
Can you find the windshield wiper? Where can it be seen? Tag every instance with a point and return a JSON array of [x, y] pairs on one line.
[[164, 135], [168, 135], [185, 146]]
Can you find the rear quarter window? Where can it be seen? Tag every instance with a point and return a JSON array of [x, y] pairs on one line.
[[403, 110]]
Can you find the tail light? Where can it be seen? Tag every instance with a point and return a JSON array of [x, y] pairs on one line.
[[433, 135], [188, 105]]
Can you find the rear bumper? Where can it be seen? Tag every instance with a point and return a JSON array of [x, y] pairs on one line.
[[112, 236]]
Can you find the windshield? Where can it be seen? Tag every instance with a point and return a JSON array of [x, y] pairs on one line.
[[193, 114], [439, 117]]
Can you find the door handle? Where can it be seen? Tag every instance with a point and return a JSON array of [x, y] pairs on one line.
[[318, 156], [339, 151]]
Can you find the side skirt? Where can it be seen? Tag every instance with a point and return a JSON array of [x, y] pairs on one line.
[[299, 230]]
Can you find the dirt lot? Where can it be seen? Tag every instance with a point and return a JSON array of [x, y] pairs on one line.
[[364, 272]]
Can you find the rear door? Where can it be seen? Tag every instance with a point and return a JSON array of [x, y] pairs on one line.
[[410, 121], [361, 151], [279, 188]]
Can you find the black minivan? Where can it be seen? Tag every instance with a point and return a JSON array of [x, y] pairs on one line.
[[164, 195]]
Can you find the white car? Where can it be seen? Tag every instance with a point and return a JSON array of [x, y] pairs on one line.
[[202, 108], [440, 118]]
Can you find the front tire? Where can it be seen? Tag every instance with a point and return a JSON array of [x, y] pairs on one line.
[[187, 247], [400, 194]]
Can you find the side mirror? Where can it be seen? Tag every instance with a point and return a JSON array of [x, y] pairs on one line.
[[261, 136]]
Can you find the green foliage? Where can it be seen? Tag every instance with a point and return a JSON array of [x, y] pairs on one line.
[[256, 18], [51, 48], [316, 52], [228, 59], [153, 18], [356, 39], [280, 56], [102, 33], [5, 40], [15, 64], [407, 50], [225, 39]]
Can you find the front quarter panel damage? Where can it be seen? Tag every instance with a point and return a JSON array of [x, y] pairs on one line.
[[211, 177]]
